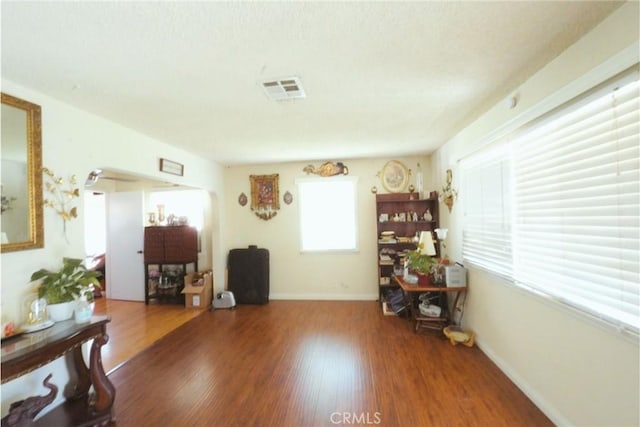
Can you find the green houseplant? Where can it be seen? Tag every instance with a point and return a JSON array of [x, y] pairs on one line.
[[67, 283], [420, 263]]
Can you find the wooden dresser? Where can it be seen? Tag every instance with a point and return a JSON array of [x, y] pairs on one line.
[[166, 246]]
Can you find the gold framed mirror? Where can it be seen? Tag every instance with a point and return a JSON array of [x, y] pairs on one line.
[[22, 224]]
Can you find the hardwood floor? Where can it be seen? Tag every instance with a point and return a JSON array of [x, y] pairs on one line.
[[135, 326], [312, 363]]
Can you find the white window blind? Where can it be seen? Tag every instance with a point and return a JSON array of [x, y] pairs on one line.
[[577, 199], [486, 237]]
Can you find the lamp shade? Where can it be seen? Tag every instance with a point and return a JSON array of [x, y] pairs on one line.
[[441, 233], [426, 244]]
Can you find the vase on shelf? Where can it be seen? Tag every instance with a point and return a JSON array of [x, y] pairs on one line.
[[161, 216], [419, 182], [427, 215]]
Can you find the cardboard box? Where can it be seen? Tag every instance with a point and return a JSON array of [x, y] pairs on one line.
[[198, 295]]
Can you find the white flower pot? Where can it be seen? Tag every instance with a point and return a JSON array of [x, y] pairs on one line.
[[60, 312]]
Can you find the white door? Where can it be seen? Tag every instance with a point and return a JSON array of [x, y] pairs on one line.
[[125, 241]]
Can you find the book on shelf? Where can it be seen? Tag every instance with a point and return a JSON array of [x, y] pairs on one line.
[[387, 241], [386, 260]]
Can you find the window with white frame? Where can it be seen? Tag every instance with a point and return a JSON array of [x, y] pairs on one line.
[[575, 204], [487, 210], [328, 214]]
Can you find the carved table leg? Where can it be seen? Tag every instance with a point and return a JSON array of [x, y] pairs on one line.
[[83, 381], [105, 392]]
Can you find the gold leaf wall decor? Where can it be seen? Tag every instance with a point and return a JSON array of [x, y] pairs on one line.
[[60, 197]]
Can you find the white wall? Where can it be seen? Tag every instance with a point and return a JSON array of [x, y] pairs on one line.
[[295, 275], [75, 142], [577, 371]]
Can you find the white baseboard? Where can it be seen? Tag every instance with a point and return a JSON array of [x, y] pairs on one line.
[[324, 297], [548, 409]]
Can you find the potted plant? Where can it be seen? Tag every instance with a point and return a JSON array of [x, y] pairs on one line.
[[420, 264], [60, 288]]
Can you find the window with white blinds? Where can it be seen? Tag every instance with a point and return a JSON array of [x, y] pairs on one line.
[[577, 202], [569, 205], [486, 237]]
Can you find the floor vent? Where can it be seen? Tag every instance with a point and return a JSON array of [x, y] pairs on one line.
[[281, 89]]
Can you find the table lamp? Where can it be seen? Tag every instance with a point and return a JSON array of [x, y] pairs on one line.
[[426, 244]]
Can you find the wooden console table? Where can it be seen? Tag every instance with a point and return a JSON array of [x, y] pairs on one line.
[[23, 354], [425, 322]]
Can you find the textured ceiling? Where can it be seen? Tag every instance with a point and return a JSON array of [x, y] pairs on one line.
[[381, 78]]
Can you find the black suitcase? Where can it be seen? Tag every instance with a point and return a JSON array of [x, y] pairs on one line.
[[248, 275]]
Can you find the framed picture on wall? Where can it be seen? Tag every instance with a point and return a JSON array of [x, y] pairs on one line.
[[395, 176], [173, 168], [265, 195]]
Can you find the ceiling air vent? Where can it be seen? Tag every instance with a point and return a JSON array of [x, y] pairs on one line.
[[289, 88]]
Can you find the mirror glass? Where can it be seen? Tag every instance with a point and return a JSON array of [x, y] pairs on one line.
[[21, 181]]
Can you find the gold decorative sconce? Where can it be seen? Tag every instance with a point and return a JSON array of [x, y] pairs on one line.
[[265, 196], [449, 194]]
